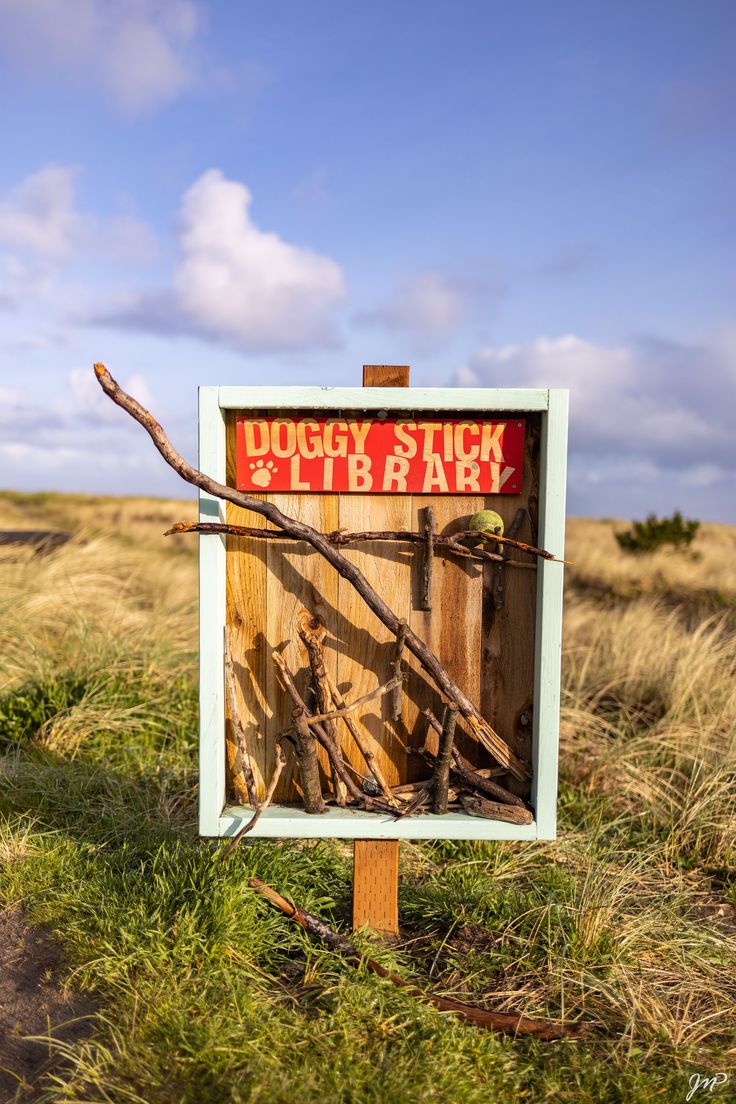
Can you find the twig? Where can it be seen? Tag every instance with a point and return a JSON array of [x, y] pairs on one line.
[[397, 695], [370, 759], [463, 770], [341, 537], [510, 1023], [278, 768], [412, 788], [334, 752], [444, 755], [488, 534], [430, 532], [415, 803], [350, 707], [494, 810], [499, 585], [306, 753], [237, 724], [312, 632], [480, 728]]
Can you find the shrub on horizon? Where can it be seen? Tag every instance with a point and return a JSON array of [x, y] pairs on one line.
[[654, 533]]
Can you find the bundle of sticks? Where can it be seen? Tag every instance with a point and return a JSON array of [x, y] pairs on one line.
[[454, 784], [308, 727]]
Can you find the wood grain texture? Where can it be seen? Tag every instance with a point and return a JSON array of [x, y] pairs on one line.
[[452, 628], [245, 614], [376, 885], [366, 645], [386, 375], [507, 659], [298, 579]]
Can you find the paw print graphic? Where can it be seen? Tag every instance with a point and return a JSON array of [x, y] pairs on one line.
[[262, 473]]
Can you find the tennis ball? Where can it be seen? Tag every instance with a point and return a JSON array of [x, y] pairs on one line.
[[488, 521]]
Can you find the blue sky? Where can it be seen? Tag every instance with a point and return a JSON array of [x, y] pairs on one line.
[[532, 195]]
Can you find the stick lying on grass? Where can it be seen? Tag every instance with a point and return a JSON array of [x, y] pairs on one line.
[[507, 1022]]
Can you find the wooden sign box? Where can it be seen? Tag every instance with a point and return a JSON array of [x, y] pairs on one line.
[[505, 656]]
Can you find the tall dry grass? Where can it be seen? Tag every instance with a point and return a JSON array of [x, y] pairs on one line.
[[116, 603]]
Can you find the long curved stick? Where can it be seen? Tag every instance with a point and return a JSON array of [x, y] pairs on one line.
[[511, 1023]]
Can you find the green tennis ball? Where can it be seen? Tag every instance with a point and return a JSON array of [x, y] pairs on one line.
[[487, 521]]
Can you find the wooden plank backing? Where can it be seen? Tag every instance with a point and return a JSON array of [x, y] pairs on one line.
[[507, 658], [386, 375], [366, 645], [453, 627], [246, 574], [298, 579]]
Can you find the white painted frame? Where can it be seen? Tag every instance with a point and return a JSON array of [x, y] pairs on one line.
[[216, 818]]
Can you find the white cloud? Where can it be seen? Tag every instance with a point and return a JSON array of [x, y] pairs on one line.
[[139, 52], [650, 421], [235, 282], [38, 217], [430, 306], [42, 230], [427, 307], [78, 439], [706, 475], [23, 280], [665, 405]]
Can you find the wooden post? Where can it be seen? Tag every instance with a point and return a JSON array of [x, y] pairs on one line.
[[376, 862]]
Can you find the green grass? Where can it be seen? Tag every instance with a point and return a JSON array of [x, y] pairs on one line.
[[208, 994]]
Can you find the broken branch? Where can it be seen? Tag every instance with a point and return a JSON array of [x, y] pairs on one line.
[[370, 759], [336, 714], [499, 582], [462, 769], [306, 753], [341, 537], [397, 695], [494, 810], [336, 759], [277, 770], [237, 724], [430, 532], [312, 632], [444, 755]]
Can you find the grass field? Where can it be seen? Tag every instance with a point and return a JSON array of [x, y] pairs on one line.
[[627, 921]]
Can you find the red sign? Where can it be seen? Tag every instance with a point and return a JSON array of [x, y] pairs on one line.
[[380, 455]]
